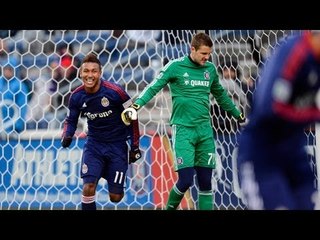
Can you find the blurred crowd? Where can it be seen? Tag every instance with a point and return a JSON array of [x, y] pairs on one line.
[[39, 70]]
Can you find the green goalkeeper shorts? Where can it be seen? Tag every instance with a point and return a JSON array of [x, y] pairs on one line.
[[193, 146]]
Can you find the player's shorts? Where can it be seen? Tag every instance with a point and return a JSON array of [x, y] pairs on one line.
[[193, 146], [272, 177], [105, 160]]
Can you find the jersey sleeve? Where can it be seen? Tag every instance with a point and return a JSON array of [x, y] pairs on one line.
[[222, 98], [134, 132], [71, 121], [154, 87]]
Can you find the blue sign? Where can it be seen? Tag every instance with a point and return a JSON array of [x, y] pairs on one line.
[[39, 174]]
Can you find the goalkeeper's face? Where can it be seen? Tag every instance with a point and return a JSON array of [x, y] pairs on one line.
[[90, 74], [201, 55]]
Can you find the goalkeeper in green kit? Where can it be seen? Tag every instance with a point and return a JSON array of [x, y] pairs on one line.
[[191, 79]]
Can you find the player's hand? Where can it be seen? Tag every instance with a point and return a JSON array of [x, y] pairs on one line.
[[242, 120], [134, 155], [130, 114], [66, 142]]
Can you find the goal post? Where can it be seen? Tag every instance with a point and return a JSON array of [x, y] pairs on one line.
[[36, 173]]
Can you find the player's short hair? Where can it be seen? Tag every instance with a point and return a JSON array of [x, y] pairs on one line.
[[91, 57], [201, 39]]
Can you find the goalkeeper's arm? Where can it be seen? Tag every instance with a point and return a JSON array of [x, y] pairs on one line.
[[130, 114]]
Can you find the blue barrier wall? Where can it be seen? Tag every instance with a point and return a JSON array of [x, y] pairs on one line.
[[39, 173]]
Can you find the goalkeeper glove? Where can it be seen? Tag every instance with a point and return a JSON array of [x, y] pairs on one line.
[[66, 142], [242, 120], [134, 155], [130, 114]]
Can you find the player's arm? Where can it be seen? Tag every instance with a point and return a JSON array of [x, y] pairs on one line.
[[225, 102], [228, 105], [134, 153], [70, 123], [130, 117]]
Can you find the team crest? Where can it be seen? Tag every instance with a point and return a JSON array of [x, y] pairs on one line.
[[179, 160], [84, 168], [105, 102], [206, 75]]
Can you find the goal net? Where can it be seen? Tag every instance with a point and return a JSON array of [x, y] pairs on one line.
[[36, 173]]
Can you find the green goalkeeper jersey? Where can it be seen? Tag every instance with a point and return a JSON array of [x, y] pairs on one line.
[[190, 86]]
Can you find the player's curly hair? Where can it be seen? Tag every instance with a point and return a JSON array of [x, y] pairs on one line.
[[91, 57]]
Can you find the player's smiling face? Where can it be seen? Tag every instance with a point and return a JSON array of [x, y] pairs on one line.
[[201, 55], [90, 74]]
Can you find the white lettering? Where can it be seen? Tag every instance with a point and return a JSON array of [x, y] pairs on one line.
[[43, 168], [93, 116], [199, 83], [211, 157]]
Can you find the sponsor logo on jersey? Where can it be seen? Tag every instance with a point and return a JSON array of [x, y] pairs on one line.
[[84, 105], [105, 102], [194, 83], [93, 116], [199, 83]]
